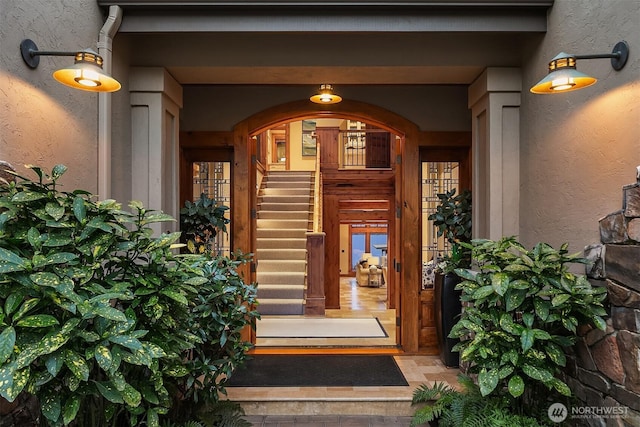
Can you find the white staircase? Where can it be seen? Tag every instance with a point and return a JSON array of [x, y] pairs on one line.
[[284, 205]]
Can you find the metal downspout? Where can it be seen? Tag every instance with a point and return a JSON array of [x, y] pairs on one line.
[[105, 42]]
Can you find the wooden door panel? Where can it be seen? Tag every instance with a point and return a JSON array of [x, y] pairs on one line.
[[428, 338], [378, 149]]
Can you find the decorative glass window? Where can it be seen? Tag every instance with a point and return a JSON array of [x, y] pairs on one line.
[[214, 180], [437, 177]]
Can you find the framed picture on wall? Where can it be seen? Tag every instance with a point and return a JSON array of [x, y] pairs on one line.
[[309, 138]]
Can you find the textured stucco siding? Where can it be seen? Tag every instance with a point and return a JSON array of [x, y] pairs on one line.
[[578, 149], [41, 121]]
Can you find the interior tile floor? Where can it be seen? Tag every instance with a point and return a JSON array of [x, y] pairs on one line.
[[355, 301], [308, 401]]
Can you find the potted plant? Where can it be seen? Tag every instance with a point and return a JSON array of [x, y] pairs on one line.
[[453, 221], [200, 223], [524, 307]]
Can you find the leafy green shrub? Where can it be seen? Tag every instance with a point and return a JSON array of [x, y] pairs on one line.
[[524, 308], [99, 319]]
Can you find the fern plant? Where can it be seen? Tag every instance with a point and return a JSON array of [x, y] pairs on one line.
[[465, 408], [223, 413], [440, 393]]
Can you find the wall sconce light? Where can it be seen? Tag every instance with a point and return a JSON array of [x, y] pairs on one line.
[[563, 76], [325, 96], [86, 73]]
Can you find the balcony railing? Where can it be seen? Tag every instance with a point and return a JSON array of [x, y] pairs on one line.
[[364, 148]]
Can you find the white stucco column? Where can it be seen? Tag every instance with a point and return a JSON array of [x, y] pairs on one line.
[[156, 99], [494, 100]]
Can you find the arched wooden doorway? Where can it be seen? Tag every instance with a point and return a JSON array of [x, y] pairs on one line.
[[416, 332]]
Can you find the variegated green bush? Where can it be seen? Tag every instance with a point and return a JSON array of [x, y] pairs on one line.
[[523, 310], [99, 319]]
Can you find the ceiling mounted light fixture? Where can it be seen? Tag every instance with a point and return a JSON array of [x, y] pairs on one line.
[[563, 76], [85, 74], [325, 96]]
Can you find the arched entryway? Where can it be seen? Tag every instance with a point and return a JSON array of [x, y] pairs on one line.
[[415, 321]]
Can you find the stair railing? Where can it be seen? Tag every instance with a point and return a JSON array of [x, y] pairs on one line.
[[315, 299]]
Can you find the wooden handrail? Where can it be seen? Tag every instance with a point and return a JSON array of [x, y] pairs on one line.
[[315, 297], [317, 199]]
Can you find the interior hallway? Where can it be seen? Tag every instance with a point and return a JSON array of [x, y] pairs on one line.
[[343, 406]]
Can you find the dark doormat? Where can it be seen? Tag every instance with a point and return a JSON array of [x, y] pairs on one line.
[[318, 371]]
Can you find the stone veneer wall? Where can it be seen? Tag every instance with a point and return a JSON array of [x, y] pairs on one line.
[[604, 369]]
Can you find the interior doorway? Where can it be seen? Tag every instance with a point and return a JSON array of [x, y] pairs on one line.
[[368, 242], [341, 149]]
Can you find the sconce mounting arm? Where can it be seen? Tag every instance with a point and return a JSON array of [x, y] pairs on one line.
[[31, 54], [85, 74], [618, 56]]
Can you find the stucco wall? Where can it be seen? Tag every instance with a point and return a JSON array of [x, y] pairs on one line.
[[579, 148], [41, 121]]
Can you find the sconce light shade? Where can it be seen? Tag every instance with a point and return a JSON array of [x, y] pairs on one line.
[[85, 74], [325, 96], [563, 76]]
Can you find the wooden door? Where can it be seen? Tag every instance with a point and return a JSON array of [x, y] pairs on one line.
[[377, 148]]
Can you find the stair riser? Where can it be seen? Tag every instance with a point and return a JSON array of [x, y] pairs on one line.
[[288, 184], [283, 215], [282, 243], [275, 266], [289, 175], [268, 292], [281, 254], [286, 191], [279, 278], [269, 206], [301, 200], [397, 408], [281, 307], [286, 224], [267, 233]]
